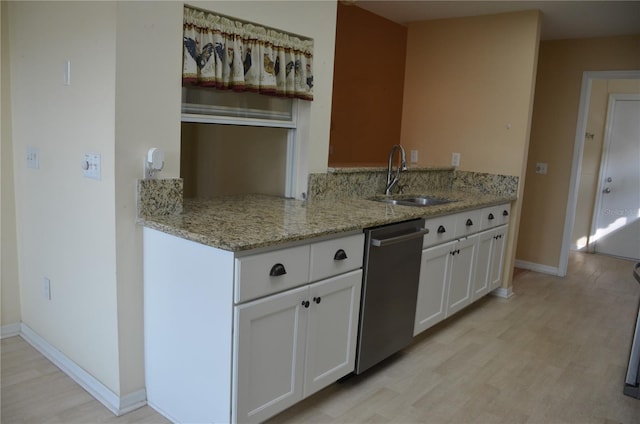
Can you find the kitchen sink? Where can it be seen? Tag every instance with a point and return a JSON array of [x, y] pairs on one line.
[[414, 201]]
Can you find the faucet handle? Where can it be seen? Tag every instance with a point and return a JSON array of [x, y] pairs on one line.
[[401, 188]]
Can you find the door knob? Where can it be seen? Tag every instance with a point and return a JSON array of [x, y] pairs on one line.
[[606, 190]]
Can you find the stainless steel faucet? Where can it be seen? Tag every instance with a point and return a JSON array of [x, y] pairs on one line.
[[402, 166]]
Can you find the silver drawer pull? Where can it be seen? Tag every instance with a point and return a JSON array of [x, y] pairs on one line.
[[277, 270], [340, 255]]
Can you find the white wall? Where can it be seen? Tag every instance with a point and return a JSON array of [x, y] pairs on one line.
[[148, 79], [9, 263], [65, 222], [124, 99]]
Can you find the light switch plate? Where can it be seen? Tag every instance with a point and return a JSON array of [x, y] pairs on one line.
[[91, 165], [414, 156], [33, 158]]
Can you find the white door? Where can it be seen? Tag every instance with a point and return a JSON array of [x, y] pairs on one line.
[[332, 330], [432, 289], [461, 278], [497, 257], [482, 272], [270, 343], [617, 216]]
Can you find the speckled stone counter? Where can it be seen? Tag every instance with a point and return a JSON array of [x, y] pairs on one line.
[[240, 223]]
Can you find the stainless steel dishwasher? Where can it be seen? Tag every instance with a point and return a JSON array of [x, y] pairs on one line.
[[390, 287]]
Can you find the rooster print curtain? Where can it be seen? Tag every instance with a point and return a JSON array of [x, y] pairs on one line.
[[232, 55]]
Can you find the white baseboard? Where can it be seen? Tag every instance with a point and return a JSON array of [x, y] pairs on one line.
[[545, 269], [502, 292], [10, 330], [114, 403]]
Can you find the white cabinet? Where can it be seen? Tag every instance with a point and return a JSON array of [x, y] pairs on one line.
[[489, 261], [292, 344], [460, 262], [459, 293], [497, 257], [239, 338], [432, 289], [269, 347], [332, 330]]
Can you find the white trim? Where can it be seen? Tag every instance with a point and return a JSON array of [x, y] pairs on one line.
[[10, 330], [118, 405], [572, 200], [233, 120], [502, 292], [545, 269]]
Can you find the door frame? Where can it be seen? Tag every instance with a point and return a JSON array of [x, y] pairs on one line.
[[606, 145], [578, 149]]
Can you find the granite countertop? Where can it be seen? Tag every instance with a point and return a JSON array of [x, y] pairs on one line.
[[245, 222]]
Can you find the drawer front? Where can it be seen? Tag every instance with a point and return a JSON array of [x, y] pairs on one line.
[[468, 222], [494, 216], [336, 256], [271, 272], [441, 229]]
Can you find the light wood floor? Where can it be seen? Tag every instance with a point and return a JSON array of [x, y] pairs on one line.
[[556, 352]]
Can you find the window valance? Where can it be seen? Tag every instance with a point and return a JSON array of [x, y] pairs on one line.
[[233, 55]]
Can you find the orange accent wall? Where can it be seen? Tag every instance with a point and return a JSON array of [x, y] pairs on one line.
[[368, 84]]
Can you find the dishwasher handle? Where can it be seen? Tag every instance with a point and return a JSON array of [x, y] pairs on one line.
[[420, 232]]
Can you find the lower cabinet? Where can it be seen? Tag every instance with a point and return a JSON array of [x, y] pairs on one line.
[[489, 261], [432, 289], [240, 337], [455, 273], [292, 344], [463, 255], [446, 274]]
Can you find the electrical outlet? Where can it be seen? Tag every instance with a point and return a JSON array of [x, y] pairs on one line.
[[541, 168], [414, 156], [33, 158], [46, 287], [455, 159]]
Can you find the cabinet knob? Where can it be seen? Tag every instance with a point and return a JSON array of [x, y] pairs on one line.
[[441, 229], [469, 222], [277, 270], [340, 255], [490, 216], [317, 299], [305, 303], [505, 213]]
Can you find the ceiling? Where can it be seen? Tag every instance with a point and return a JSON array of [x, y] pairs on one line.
[[560, 19]]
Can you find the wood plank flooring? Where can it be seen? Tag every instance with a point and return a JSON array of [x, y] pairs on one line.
[[556, 352]]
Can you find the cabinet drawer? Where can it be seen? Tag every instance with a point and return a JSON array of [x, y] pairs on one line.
[[494, 216], [333, 257], [270, 272], [441, 229], [468, 222]]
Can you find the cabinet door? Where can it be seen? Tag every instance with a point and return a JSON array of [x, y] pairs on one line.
[[484, 256], [269, 344], [497, 257], [432, 289], [332, 330], [459, 294]]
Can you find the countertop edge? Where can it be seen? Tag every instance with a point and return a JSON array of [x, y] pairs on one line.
[[201, 223]]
